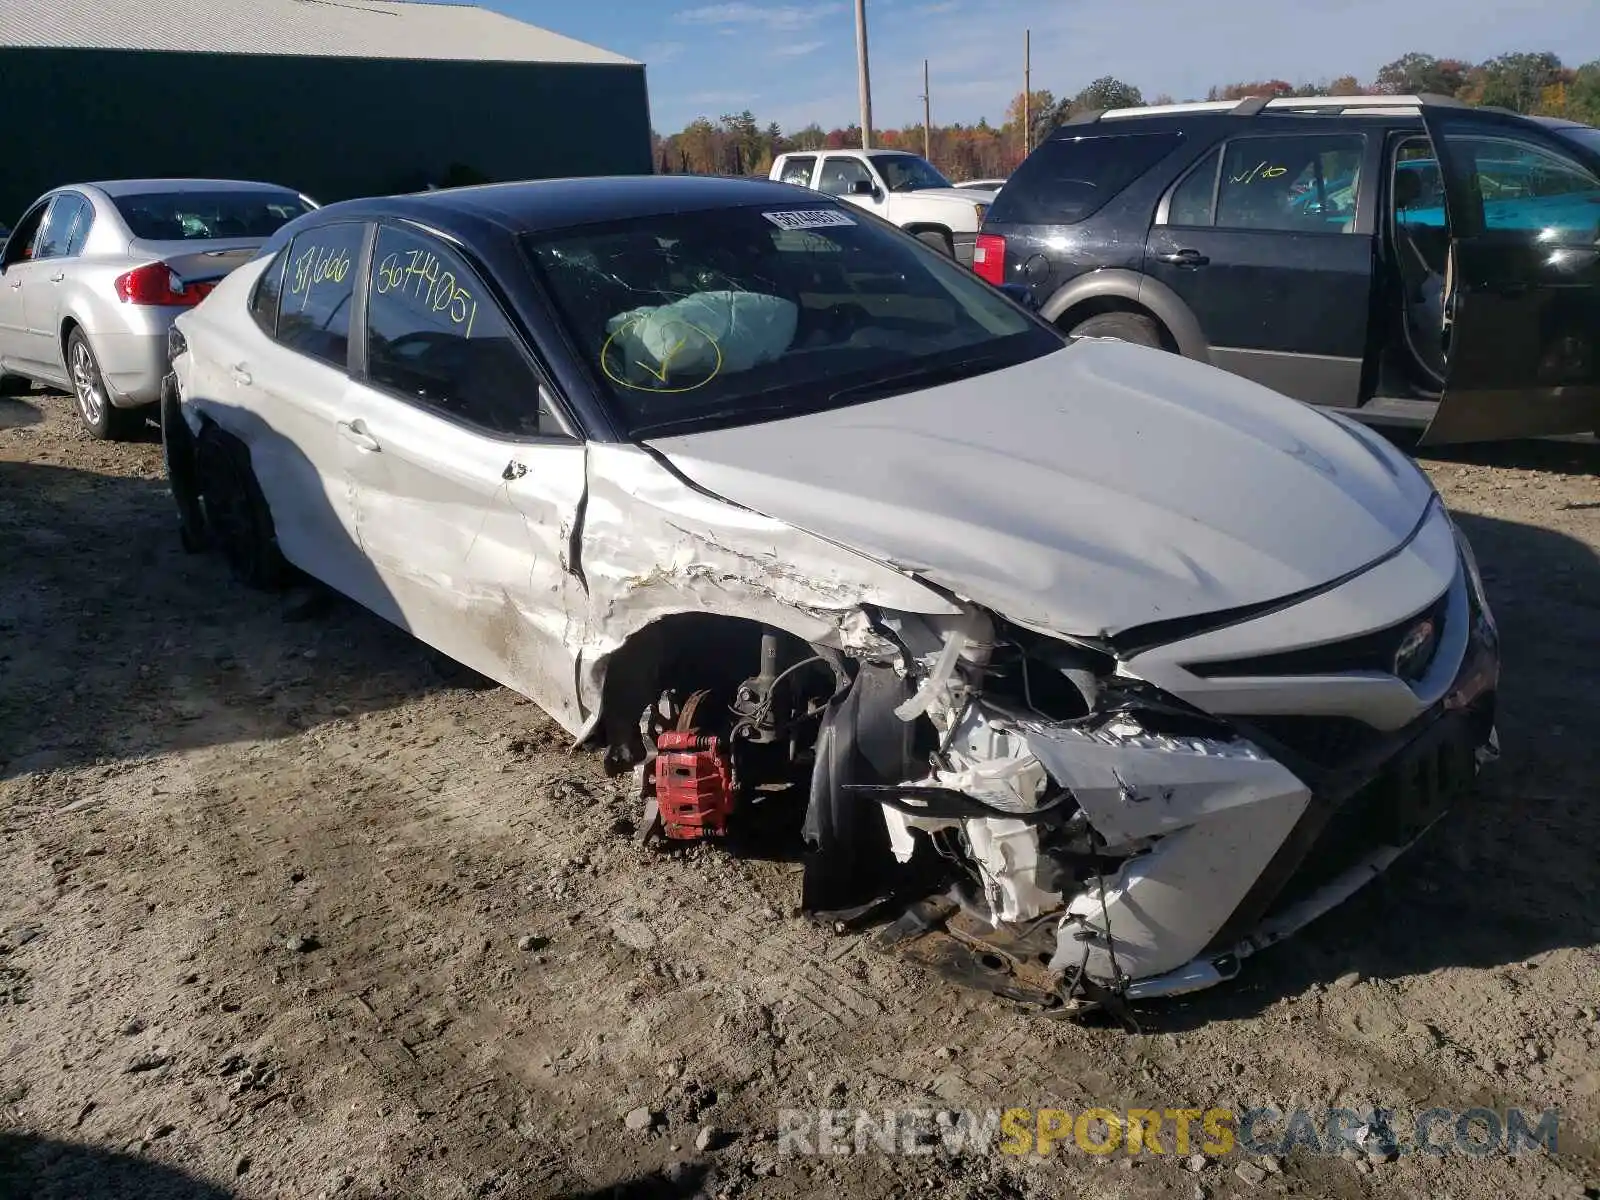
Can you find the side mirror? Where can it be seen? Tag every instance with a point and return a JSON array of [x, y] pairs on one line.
[[1022, 294], [865, 187]]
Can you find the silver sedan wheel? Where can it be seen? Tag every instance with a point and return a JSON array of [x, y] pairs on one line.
[[86, 383]]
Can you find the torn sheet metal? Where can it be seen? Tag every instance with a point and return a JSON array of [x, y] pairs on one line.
[[654, 546]]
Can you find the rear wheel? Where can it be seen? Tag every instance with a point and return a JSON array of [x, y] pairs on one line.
[[100, 417], [235, 513], [939, 240], [1123, 326]]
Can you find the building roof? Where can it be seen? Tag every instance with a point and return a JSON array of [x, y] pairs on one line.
[[401, 29]]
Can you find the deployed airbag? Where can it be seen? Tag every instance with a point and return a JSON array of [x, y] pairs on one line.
[[704, 335]]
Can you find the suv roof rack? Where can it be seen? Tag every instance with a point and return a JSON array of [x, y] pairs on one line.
[[1252, 106]]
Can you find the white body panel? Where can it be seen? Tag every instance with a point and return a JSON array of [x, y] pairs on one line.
[[1099, 488], [1096, 490]]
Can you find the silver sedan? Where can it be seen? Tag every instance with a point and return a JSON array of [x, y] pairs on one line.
[[94, 273]]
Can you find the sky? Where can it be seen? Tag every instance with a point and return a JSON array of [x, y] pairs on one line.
[[794, 61]]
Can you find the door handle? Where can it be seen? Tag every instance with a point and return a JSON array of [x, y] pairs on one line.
[[358, 437], [57, 277], [1183, 258], [241, 374], [16, 285]]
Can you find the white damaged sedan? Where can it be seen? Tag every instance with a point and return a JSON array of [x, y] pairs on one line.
[[1095, 670]]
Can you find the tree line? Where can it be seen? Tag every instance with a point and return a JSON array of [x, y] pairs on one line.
[[738, 144]]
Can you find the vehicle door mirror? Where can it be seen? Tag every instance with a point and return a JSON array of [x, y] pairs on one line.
[[865, 187]]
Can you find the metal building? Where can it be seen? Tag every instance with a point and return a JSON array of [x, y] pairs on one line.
[[337, 98]]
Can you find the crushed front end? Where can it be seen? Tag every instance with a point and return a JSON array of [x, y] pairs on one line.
[[1079, 823]]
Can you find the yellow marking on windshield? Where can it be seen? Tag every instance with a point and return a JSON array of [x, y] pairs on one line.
[[658, 374]]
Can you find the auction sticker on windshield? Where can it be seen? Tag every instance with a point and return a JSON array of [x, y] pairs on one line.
[[815, 218]]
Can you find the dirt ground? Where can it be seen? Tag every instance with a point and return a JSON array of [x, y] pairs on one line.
[[289, 909]]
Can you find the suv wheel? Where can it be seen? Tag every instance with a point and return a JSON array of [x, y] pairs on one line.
[[1123, 326]]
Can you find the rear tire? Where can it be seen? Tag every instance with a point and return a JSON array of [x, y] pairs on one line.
[[104, 420], [1123, 326], [235, 514], [939, 241]]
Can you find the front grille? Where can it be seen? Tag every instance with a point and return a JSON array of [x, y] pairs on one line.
[[1376, 651], [1327, 742]]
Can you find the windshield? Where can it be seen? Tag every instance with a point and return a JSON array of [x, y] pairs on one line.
[[203, 216], [738, 315], [907, 172]]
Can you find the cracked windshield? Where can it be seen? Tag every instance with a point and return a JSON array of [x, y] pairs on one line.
[[751, 313]]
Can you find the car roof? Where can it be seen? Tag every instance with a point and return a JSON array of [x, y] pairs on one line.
[[139, 187], [534, 206], [1559, 123]]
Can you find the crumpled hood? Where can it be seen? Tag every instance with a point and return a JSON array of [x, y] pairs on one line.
[[1098, 488]]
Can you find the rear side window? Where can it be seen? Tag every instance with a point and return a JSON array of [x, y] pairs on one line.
[[319, 283], [202, 216], [264, 304], [58, 227], [78, 228], [798, 170], [1069, 179], [841, 174]]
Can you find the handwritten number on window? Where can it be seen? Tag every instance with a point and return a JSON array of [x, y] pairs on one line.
[[1259, 171], [316, 265], [415, 274]]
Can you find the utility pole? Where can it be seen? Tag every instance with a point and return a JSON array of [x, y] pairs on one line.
[[1027, 92], [927, 116], [866, 79]]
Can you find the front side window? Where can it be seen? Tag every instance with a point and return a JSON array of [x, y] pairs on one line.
[[1070, 178], [204, 216], [744, 314], [1298, 183], [436, 337], [840, 175], [1523, 187], [798, 170], [908, 173], [20, 245], [319, 283]]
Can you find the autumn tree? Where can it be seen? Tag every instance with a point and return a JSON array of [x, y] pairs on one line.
[[1261, 87], [1516, 81], [1105, 92], [1583, 94], [1041, 117], [1417, 74]]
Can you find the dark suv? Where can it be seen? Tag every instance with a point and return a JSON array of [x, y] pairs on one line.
[[1413, 260]]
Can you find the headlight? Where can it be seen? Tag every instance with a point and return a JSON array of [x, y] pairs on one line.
[[176, 344]]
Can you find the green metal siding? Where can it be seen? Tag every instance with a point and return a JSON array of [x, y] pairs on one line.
[[333, 128]]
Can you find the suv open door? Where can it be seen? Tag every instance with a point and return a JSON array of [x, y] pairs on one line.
[[1522, 308]]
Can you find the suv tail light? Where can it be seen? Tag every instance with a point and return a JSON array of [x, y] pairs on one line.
[[158, 284], [989, 258]]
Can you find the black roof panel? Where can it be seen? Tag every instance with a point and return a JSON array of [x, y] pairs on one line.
[[537, 205]]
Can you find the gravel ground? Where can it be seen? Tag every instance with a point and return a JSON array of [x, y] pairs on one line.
[[289, 909]]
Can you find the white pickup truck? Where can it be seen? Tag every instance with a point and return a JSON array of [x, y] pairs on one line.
[[903, 188]]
